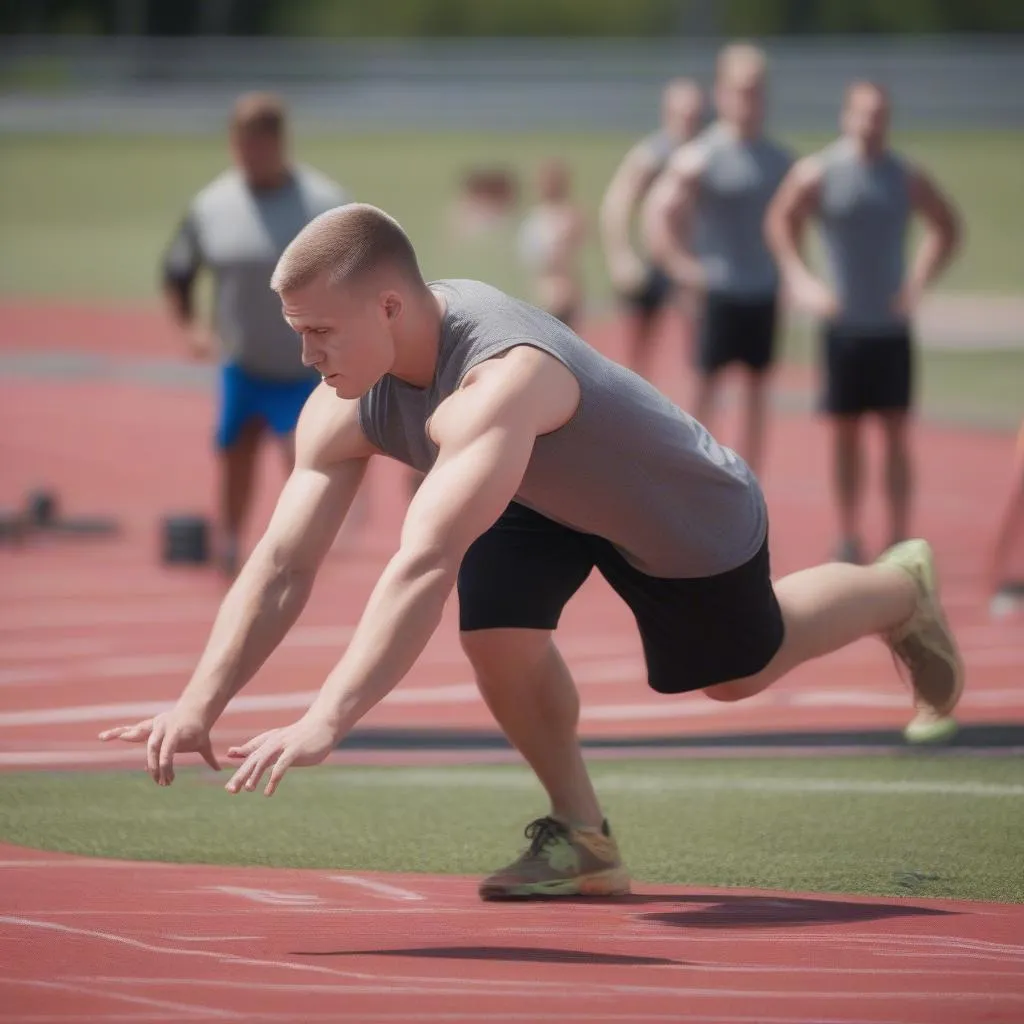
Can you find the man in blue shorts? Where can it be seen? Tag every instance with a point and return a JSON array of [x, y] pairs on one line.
[[237, 227], [543, 461]]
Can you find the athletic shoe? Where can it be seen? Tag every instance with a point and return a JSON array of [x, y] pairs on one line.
[[561, 860], [925, 644], [928, 727]]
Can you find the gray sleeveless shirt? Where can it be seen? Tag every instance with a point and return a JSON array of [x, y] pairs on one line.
[[630, 466], [738, 180], [864, 210]]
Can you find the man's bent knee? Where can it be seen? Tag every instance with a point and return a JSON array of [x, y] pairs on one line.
[[505, 648]]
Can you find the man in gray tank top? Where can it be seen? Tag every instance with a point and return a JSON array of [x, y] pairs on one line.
[[704, 222], [642, 287], [543, 461], [237, 227], [863, 196]]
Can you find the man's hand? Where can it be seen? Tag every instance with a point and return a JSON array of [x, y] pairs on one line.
[[627, 272], [307, 742], [178, 731], [813, 295], [201, 342], [907, 300]]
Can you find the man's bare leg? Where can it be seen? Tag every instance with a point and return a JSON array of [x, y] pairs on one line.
[[705, 397], [848, 482], [755, 396], [639, 331], [830, 606], [898, 474], [529, 690], [825, 609], [238, 472]]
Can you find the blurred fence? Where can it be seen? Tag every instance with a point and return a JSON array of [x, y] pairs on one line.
[[184, 85]]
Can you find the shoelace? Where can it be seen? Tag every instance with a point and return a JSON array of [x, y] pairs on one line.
[[542, 833]]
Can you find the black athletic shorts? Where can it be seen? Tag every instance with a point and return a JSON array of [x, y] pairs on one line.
[[736, 331], [654, 293], [866, 373], [522, 572]]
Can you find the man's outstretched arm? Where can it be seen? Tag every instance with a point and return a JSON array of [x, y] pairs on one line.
[[270, 591], [485, 435]]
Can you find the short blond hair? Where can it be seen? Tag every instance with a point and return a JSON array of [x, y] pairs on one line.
[[260, 112], [343, 244], [741, 57]]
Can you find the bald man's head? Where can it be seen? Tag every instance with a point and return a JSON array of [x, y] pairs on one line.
[[344, 244]]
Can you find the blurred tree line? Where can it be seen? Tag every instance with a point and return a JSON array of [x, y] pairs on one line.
[[536, 18]]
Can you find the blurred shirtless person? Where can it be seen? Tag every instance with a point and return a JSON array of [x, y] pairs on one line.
[[550, 240], [643, 288]]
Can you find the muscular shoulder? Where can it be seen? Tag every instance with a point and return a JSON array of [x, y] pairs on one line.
[[329, 431], [527, 382]]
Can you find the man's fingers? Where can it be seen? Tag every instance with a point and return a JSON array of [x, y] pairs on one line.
[[264, 759], [247, 748], [165, 763], [129, 733], [207, 754], [283, 763], [156, 738], [245, 770]]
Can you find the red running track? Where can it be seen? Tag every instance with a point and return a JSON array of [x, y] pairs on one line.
[[98, 942]]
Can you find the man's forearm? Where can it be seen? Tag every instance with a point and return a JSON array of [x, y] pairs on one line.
[[254, 618], [402, 614]]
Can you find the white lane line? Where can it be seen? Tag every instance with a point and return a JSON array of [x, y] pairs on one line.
[[118, 997], [391, 892]]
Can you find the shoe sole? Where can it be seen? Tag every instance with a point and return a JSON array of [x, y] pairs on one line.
[[931, 732], [612, 882]]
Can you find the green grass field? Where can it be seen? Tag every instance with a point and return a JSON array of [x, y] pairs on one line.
[[88, 217], [918, 825]]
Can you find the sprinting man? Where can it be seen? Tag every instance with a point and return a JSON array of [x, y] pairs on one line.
[[550, 238], [543, 459], [643, 289], [863, 194], [237, 227], [704, 222]]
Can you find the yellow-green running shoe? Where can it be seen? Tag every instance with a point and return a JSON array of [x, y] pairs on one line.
[[561, 860], [926, 646]]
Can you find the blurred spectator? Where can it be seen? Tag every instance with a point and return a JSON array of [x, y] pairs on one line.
[[236, 228], [642, 287], [864, 194]]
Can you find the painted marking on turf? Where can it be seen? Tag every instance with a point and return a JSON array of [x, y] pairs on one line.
[[391, 892], [153, 1004]]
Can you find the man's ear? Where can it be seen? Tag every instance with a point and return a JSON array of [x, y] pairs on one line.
[[393, 305]]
